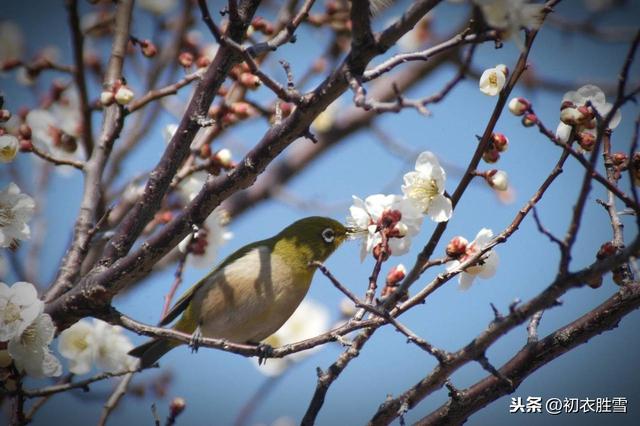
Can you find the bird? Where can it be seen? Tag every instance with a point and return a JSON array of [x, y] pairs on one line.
[[253, 292]]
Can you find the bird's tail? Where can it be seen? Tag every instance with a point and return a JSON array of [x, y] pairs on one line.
[[153, 350]]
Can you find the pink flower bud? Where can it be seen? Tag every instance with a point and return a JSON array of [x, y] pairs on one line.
[[500, 142], [491, 156], [529, 120], [185, 59], [396, 274], [457, 247]]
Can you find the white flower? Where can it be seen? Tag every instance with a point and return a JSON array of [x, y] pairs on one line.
[[112, 347], [8, 148], [76, 344], [596, 96], [15, 211], [19, 306], [484, 268], [11, 41], [425, 187], [309, 320], [30, 350], [510, 16], [366, 216], [58, 130], [576, 113], [85, 344], [158, 7], [492, 81], [203, 250]]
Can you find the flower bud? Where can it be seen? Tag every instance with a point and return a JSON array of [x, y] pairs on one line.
[[457, 247], [491, 156], [497, 179], [500, 141], [586, 140], [185, 59], [5, 115], [241, 109], [107, 98], [148, 48], [203, 62], [606, 250], [518, 106], [26, 145], [586, 112], [571, 116], [396, 274], [249, 80], [286, 108], [124, 95], [177, 406], [529, 120], [619, 159], [224, 158], [24, 131]]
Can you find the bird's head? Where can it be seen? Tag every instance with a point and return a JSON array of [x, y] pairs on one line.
[[312, 238]]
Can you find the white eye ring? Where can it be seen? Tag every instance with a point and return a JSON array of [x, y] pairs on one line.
[[328, 235]]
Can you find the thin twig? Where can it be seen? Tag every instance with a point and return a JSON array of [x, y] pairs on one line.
[[115, 397]]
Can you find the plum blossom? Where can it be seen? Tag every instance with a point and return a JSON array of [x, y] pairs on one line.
[[510, 16], [58, 129], [484, 268], [8, 148], [425, 187], [30, 349], [99, 343], [309, 320], [366, 219], [492, 80], [75, 344], [16, 209], [576, 113], [19, 307]]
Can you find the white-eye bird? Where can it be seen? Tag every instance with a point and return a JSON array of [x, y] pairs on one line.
[[254, 291]]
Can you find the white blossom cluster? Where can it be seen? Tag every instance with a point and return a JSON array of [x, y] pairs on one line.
[[423, 195]]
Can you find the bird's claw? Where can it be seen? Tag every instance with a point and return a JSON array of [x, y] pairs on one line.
[[196, 338], [264, 351]]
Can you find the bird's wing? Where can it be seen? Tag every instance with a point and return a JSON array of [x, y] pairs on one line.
[[185, 299]]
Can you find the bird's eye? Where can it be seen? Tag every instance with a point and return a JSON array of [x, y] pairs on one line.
[[328, 235]]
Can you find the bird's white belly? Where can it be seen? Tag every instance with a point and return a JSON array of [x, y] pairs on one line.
[[249, 299]]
